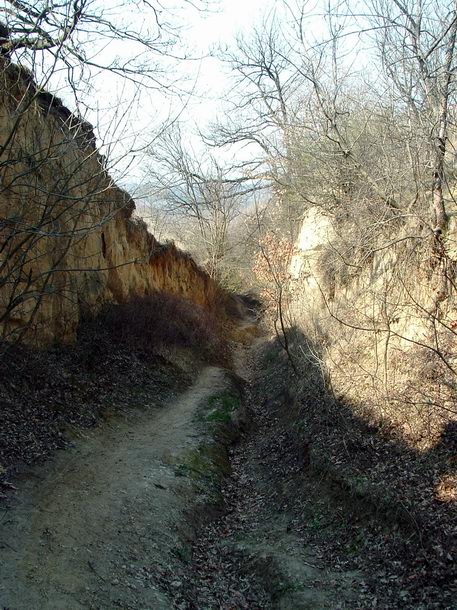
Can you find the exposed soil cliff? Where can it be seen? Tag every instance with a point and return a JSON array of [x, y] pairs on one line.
[[385, 317], [374, 337], [69, 241]]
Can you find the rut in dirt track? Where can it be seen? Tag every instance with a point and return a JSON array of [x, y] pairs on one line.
[[255, 556]]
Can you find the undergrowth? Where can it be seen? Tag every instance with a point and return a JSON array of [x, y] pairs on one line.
[[162, 320], [130, 356], [381, 480]]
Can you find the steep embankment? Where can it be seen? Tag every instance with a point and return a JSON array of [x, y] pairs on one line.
[[69, 240], [381, 309], [376, 327]]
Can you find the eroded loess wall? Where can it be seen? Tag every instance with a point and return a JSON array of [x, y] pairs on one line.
[[382, 319], [68, 239]]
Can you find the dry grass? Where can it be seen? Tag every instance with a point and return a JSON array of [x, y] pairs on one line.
[[162, 320]]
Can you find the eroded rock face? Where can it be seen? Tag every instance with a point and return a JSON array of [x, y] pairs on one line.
[[364, 291], [68, 240]]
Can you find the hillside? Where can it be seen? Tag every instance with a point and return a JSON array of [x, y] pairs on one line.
[[70, 241]]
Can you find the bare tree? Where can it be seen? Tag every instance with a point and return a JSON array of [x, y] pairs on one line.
[[195, 186], [56, 195], [416, 40], [75, 33], [264, 100]]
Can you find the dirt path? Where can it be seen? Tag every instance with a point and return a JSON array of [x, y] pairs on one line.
[[128, 517], [95, 527], [257, 556]]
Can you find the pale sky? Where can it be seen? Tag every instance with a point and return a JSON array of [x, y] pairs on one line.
[[207, 77], [132, 119]]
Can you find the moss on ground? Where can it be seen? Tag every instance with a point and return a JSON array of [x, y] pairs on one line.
[[221, 407], [207, 464]]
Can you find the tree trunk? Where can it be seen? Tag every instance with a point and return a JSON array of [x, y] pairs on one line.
[[439, 209]]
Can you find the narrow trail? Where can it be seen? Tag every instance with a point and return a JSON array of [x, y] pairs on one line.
[[108, 523], [94, 527]]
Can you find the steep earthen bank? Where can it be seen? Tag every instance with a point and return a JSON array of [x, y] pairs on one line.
[[373, 337], [382, 310], [70, 242]]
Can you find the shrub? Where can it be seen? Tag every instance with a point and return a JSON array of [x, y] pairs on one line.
[[161, 320]]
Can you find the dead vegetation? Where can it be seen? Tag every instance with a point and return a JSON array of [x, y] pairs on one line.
[[396, 511], [127, 357], [159, 321]]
